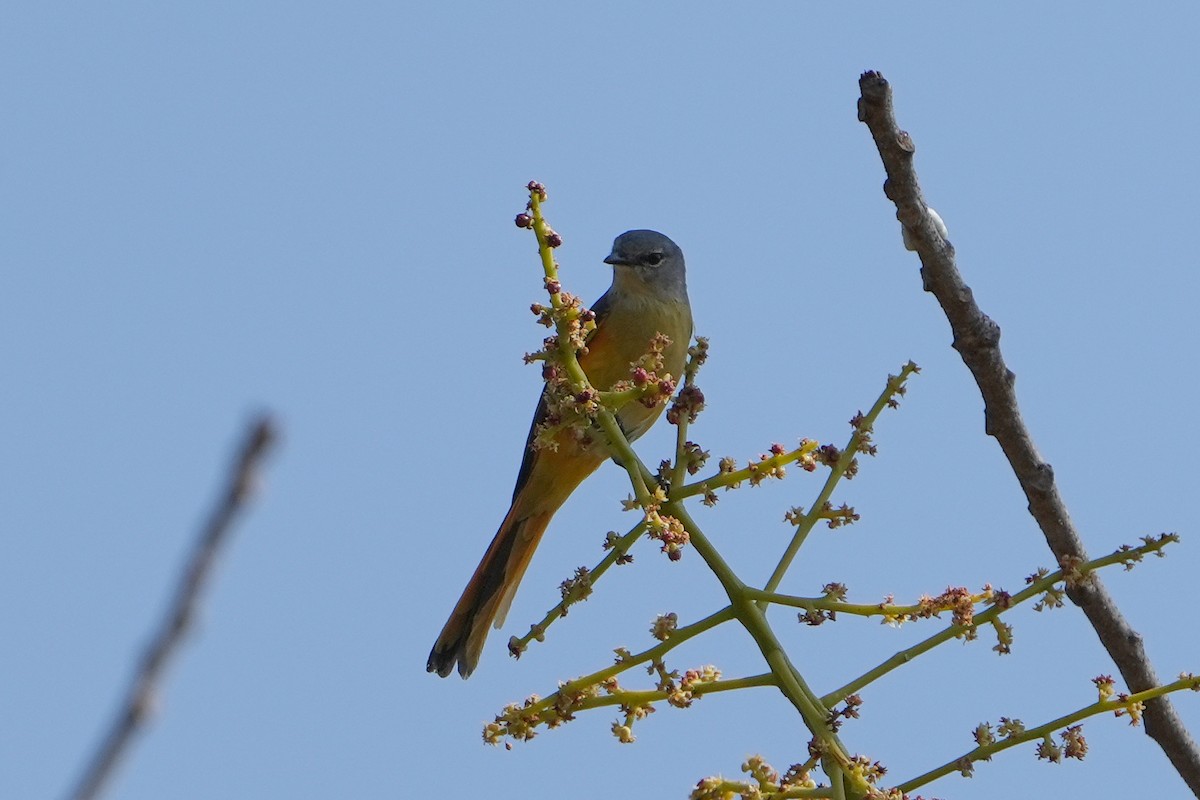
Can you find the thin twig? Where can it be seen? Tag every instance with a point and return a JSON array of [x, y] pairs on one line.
[[139, 700], [977, 340]]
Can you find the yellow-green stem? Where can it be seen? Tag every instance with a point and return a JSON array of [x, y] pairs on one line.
[[724, 479], [681, 427], [678, 637], [984, 752], [537, 630], [791, 683], [840, 606], [648, 696], [953, 631], [848, 455], [570, 360]]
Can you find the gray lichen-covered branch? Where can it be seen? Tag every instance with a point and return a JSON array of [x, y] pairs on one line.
[[977, 340]]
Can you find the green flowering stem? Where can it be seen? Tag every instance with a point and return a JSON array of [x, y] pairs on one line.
[[520, 722], [837, 778], [542, 231], [731, 789], [546, 710], [752, 618], [616, 400], [678, 637], [1125, 704], [518, 644], [895, 385], [623, 697], [905, 656], [696, 356], [679, 469], [722, 480], [1124, 555], [570, 360], [842, 607], [625, 457], [743, 789]]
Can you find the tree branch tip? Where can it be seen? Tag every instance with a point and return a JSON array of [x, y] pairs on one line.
[[265, 431], [873, 83]]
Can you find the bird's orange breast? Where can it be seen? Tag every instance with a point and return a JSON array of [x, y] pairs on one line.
[[625, 336]]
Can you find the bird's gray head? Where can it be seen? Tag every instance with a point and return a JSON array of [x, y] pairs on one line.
[[648, 258]]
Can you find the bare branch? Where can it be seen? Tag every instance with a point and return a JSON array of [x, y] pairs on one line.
[[977, 340], [139, 700]]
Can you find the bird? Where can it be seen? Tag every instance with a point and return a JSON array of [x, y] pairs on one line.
[[648, 297]]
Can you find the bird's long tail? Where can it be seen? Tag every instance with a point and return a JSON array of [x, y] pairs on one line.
[[489, 593]]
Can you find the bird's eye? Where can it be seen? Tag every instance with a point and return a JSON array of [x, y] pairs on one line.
[[654, 259]]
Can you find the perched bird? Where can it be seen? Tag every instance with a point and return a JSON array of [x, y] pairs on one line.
[[648, 296]]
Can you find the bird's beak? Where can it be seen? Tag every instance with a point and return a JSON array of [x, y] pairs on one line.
[[614, 259]]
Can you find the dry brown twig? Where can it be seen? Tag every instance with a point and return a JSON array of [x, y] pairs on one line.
[[172, 630], [977, 340]]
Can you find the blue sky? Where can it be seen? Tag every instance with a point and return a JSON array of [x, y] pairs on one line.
[[213, 210]]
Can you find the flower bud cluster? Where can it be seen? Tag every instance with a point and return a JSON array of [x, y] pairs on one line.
[[576, 588], [694, 456], [1004, 637], [866, 771], [687, 405], [764, 782], [1053, 597], [681, 693], [648, 375], [848, 711], [612, 539], [623, 729], [664, 625], [834, 517], [669, 531], [519, 722]]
